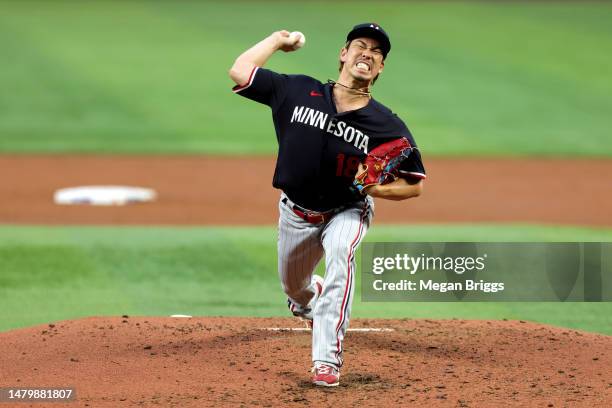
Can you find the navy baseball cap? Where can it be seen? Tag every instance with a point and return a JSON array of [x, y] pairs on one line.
[[371, 30]]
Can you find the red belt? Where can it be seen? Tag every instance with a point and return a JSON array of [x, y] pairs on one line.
[[312, 217]]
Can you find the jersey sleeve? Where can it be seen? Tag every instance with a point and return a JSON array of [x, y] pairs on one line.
[[264, 86], [412, 167]]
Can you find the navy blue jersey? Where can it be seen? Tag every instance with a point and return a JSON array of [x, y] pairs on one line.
[[320, 149]]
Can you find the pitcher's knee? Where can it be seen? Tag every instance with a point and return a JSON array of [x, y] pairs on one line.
[[294, 292], [340, 248]]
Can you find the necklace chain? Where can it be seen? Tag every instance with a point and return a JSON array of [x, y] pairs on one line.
[[358, 91]]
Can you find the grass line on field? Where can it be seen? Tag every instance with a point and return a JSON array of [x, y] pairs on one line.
[[70, 272]]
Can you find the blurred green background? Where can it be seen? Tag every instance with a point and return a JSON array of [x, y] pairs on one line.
[[478, 78], [469, 78]]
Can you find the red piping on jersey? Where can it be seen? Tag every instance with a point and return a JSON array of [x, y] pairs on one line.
[[239, 88], [414, 174], [344, 307], [315, 93]]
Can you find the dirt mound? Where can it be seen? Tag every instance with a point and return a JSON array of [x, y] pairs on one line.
[[538, 190], [171, 362]]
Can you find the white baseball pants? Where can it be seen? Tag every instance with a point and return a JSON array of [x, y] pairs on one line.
[[301, 245]]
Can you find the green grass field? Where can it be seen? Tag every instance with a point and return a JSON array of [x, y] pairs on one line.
[[478, 78], [57, 273]]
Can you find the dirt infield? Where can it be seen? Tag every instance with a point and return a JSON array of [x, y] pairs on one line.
[[208, 190], [197, 362]]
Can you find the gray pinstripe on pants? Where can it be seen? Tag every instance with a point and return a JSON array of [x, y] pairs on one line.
[[301, 245]]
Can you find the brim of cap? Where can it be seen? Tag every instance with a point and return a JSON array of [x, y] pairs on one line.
[[369, 32]]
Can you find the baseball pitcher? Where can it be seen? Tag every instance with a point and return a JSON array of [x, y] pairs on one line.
[[337, 148]]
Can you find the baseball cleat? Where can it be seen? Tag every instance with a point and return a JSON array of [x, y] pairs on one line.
[[325, 375]]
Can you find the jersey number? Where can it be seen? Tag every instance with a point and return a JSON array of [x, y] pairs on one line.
[[346, 166]]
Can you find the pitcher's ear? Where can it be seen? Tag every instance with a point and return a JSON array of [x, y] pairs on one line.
[[343, 53]]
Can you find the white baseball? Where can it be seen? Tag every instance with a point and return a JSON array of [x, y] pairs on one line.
[[301, 41]]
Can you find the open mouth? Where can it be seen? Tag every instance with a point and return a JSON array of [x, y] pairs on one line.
[[364, 66]]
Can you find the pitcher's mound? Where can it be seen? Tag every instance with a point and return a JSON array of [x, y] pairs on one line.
[[199, 362]]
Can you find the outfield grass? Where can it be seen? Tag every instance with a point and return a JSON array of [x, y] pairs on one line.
[[481, 78], [56, 273]]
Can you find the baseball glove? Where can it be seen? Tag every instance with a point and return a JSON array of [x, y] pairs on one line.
[[381, 164]]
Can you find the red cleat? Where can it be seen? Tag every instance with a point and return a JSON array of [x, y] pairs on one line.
[[325, 375]]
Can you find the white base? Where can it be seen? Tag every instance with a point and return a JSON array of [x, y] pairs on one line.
[[103, 195]]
